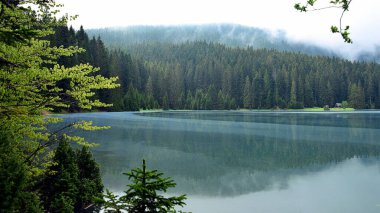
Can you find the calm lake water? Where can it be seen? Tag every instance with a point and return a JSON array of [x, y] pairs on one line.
[[247, 161]]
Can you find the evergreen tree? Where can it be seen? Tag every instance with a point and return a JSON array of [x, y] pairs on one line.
[[309, 95], [165, 102], [91, 186], [356, 96], [61, 186], [142, 194], [83, 41], [62, 204], [247, 93], [294, 80], [114, 202], [132, 100], [149, 87], [293, 95], [73, 182]]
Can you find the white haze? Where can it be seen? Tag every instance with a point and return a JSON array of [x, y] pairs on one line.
[[273, 15]]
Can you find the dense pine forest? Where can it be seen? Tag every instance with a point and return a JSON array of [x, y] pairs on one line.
[[203, 75]]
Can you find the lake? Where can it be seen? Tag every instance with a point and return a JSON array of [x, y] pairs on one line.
[[248, 161]]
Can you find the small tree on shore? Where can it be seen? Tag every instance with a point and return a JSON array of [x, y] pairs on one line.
[[142, 194]]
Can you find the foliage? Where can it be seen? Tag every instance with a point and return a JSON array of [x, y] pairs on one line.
[[356, 96], [15, 196], [34, 82], [91, 185], [247, 99], [345, 104], [113, 202], [342, 4], [31, 77], [73, 182], [200, 76], [132, 100], [142, 196], [60, 186]]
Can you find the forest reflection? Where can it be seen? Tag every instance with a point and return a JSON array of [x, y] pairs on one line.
[[230, 153]]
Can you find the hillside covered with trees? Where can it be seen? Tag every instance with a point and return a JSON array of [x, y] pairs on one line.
[[205, 75]]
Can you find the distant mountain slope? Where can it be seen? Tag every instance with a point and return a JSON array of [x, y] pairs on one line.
[[228, 34], [370, 56]]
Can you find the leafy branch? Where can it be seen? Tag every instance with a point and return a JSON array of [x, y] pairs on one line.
[[341, 4]]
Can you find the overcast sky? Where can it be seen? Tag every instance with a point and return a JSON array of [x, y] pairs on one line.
[[274, 15]]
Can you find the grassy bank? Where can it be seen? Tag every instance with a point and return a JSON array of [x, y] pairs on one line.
[[331, 109]]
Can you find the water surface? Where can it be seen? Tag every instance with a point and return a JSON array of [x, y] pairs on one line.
[[234, 161]]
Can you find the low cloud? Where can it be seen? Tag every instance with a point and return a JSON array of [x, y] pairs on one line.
[[276, 16]]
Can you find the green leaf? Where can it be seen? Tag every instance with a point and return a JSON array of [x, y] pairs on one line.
[[311, 2], [334, 29]]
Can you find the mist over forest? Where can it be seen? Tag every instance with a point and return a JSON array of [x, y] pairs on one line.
[[229, 34]]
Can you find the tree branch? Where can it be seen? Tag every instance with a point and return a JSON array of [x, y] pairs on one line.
[[50, 141], [323, 8], [5, 62], [341, 4]]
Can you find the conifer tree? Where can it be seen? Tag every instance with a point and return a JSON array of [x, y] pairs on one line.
[[247, 101], [165, 102], [114, 202], [73, 182], [61, 186], [131, 100], [142, 195], [91, 185], [356, 96]]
